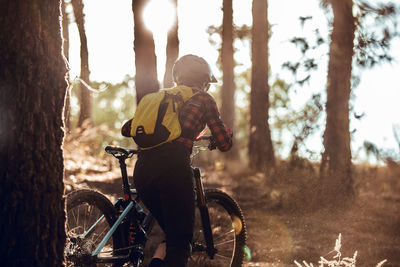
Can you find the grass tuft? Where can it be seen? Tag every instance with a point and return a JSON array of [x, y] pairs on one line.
[[337, 260]]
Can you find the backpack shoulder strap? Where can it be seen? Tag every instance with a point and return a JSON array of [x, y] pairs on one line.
[[181, 90], [146, 112]]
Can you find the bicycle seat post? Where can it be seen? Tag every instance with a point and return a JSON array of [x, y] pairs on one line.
[[126, 186]]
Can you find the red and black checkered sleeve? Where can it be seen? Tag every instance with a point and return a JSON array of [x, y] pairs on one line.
[[221, 133], [126, 129]]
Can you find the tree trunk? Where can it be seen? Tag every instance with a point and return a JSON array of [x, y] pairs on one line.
[[65, 32], [261, 153], [172, 50], [337, 154], [145, 57], [85, 98], [228, 85], [32, 90]]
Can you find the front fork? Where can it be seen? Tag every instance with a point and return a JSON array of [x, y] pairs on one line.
[[205, 216]]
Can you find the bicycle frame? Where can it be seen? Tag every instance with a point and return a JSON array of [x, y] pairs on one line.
[[112, 230], [130, 204]]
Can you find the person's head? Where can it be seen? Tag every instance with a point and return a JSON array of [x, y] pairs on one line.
[[193, 71]]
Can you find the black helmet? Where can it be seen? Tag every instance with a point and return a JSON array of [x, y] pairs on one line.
[[191, 69]]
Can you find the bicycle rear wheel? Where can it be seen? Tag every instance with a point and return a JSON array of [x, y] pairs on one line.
[[84, 208], [228, 230]]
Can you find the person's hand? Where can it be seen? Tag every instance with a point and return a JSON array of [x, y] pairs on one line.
[[230, 132]]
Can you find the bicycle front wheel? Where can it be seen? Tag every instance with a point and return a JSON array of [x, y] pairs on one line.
[[90, 216], [228, 231]]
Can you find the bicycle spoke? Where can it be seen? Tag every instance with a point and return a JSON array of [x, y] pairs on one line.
[[77, 220], [225, 242], [73, 215], [90, 208], [227, 233], [89, 217], [68, 225], [85, 218], [98, 236], [222, 256], [223, 235]]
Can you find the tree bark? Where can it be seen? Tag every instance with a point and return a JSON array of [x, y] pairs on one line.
[[261, 152], [65, 32], [32, 90], [172, 50], [228, 64], [337, 155], [85, 98], [145, 57]]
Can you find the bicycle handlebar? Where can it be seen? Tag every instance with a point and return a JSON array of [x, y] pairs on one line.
[[205, 137], [120, 152], [211, 141]]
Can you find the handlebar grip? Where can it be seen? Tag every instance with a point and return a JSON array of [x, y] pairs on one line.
[[212, 145], [205, 137]]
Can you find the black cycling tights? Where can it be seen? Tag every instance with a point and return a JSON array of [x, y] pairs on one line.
[[164, 180]]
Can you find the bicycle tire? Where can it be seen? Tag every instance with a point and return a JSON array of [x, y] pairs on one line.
[[229, 232], [84, 208]]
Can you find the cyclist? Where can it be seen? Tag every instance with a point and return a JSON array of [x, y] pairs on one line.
[[163, 176]]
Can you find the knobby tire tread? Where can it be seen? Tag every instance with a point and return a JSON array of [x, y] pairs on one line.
[[233, 208], [101, 202]]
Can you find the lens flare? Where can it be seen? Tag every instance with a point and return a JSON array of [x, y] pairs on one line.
[[159, 16], [247, 253], [237, 224]]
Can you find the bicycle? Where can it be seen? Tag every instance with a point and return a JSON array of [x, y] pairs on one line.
[[104, 234]]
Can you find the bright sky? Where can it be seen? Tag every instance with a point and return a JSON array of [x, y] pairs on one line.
[[109, 29]]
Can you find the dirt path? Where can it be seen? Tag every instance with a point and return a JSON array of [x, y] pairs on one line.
[[370, 225]]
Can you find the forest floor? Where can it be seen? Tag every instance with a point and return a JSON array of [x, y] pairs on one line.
[[284, 221]]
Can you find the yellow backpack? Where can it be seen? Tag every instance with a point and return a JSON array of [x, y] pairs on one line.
[[156, 117]]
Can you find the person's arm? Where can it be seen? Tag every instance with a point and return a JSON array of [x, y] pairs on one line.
[[126, 129], [222, 134]]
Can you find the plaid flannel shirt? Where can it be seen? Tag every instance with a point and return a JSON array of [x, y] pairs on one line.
[[198, 111]]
